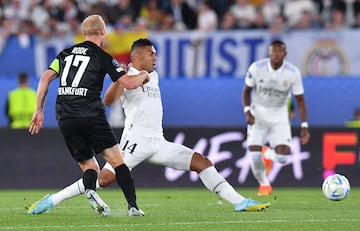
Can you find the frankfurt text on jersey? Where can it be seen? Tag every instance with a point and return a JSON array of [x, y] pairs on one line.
[[72, 91]]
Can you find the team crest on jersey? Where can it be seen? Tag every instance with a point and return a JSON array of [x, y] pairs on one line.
[[115, 63], [286, 83], [325, 58]]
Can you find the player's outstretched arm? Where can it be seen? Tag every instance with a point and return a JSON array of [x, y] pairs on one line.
[[246, 103], [305, 135], [113, 93], [134, 81], [38, 117]]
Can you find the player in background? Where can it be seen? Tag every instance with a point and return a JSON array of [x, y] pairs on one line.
[[80, 113], [143, 139], [20, 103], [268, 163], [270, 81]]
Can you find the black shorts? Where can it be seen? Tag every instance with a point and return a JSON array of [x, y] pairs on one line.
[[87, 136]]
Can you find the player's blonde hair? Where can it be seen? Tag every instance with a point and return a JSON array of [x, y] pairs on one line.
[[92, 25]]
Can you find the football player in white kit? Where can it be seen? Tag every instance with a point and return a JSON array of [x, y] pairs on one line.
[[143, 140], [268, 84]]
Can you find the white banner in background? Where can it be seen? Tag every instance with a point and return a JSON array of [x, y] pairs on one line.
[[228, 53], [325, 53], [47, 49]]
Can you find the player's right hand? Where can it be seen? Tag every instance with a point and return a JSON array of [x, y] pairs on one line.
[[250, 119], [305, 135], [36, 123]]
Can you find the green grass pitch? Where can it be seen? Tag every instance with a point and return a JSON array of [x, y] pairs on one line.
[[185, 209]]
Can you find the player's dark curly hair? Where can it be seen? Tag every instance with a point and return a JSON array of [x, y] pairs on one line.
[[278, 43], [143, 42]]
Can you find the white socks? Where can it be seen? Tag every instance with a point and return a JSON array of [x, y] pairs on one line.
[[258, 168], [209, 176], [217, 184], [70, 191]]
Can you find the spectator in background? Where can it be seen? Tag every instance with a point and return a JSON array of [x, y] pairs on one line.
[[124, 22], [355, 122], [16, 12], [123, 8], [69, 9], [306, 21], [70, 16], [228, 21], [356, 7], [207, 19], [278, 25], [270, 10], [54, 28], [184, 16], [155, 14], [293, 10], [259, 22], [244, 13], [102, 8], [338, 16], [219, 6], [168, 22], [152, 14], [39, 12], [356, 24], [16, 21], [20, 104], [207, 22], [4, 33], [256, 3]]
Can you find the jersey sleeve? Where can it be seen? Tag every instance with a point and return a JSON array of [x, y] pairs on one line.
[[250, 74], [112, 67], [298, 88], [55, 65]]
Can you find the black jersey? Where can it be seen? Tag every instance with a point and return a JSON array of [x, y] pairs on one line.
[[82, 69]]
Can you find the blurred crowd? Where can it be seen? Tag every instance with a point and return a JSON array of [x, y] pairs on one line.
[[48, 18]]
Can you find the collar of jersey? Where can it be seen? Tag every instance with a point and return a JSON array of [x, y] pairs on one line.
[[271, 69]]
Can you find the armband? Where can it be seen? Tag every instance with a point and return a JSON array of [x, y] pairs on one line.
[[246, 109]]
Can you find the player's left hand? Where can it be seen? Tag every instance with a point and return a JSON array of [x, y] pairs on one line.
[[147, 77], [305, 135]]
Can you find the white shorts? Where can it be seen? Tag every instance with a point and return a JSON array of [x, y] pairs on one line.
[[156, 150], [261, 132]]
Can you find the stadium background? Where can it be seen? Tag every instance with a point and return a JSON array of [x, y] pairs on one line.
[[202, 107]]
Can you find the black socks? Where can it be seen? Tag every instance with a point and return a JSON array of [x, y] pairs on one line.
[[126, 183], [89, 179]]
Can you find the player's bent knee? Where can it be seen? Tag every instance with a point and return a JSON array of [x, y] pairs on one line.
[[256, 156], [200, 162], [106, 177], [281, 158]]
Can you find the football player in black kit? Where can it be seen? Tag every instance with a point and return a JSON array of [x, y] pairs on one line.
[[81, 114]]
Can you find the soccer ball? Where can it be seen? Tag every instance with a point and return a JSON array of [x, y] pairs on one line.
[[336, 187]]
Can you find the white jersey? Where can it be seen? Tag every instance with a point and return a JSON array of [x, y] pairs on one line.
[[143, 107], [142, 138], [272, 88]]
